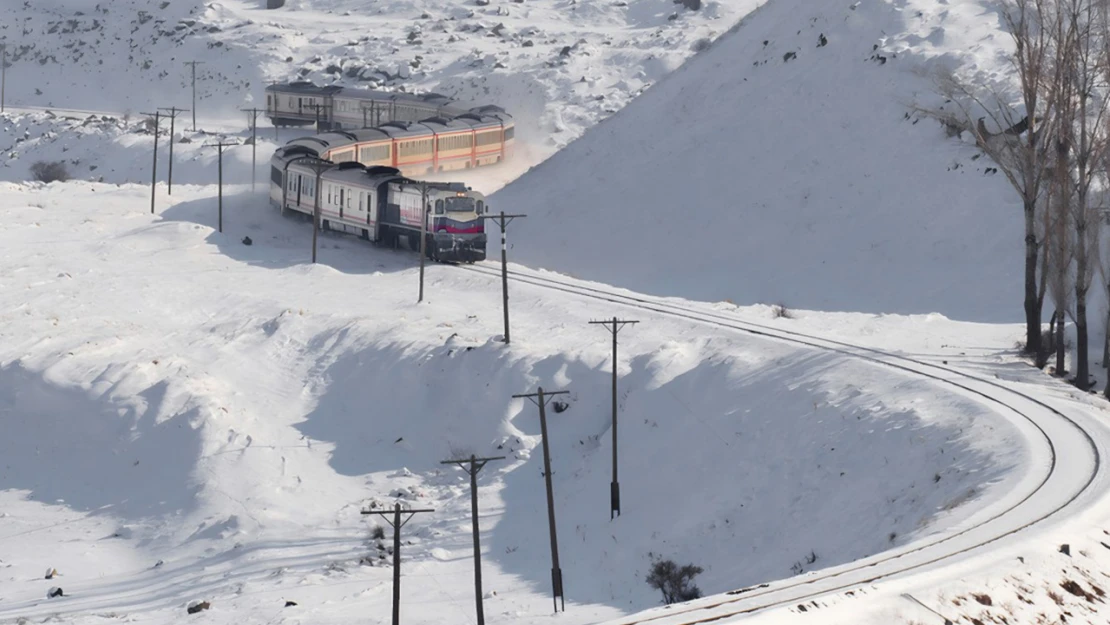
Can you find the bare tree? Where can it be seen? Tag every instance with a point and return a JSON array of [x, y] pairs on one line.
[[1082, 140], [1019, 144]]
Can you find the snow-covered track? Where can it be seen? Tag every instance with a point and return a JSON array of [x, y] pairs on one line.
[[1059, 480]]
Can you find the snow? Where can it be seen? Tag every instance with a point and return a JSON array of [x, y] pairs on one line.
[[806, 181], [238, 407], [190, 419]]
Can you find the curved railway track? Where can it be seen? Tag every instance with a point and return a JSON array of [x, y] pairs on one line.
[[1056, 487]]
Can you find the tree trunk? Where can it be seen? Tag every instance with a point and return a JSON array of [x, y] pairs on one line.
[[1032, 302], [1082, 373], [1061, 353]]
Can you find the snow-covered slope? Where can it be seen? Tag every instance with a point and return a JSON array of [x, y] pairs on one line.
[[170, 394], [784, 165], [558, 66]]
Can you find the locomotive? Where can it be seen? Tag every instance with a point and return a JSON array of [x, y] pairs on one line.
[[378, 203]]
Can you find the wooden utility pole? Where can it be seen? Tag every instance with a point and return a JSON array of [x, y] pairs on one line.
[[614, 326], [318, 106], [3, 73], [319, 166], [397, 524], [540, 398], [504, 220], [194, 64], [157, 115], [423, 235], [220, 180], [475, 465], [173, 111], [253, 114]]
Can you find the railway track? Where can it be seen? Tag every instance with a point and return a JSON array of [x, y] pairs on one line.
[[1059, 482]]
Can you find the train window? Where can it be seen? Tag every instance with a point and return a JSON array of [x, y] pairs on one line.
[[329, 194], [275, 175], [350, 199], [510, 132], [481, 207], [340, 198], [439, 207], [361, 200]]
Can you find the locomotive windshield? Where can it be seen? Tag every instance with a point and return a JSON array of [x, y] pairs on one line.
[[460, 204]]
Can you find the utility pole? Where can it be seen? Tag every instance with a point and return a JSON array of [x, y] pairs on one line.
[[317, 106], [423, 235], [540, 398], [504, 220], [475, 465], [614, 326], [220, 181], [157, 115], [3, 73], [253, 113], [173, 111], [319, 166], [397, 524], [194, 109]]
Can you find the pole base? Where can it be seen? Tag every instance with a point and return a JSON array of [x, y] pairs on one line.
[[614, 500], [557, 588]]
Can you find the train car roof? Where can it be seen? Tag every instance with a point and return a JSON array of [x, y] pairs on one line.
[[364, 135], [363, 176], [305, 87], [402, 130], [445, 124]]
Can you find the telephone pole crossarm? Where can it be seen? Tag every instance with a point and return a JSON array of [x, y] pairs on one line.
[[614, 326]]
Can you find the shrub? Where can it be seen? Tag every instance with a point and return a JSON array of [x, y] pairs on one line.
[[378, 533], [780, 311], [54, 171], [675, 582]]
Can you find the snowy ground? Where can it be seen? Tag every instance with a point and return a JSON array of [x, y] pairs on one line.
[[557, 66], [192, 418], [174, 395]]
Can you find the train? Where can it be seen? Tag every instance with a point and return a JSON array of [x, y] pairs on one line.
[[380, 204], [416, 134]]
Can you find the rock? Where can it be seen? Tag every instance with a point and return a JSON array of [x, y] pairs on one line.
[[247, 241], [50, 573], [197, 607], [290, 604], [693, 5], [275, 4], [54, 592]]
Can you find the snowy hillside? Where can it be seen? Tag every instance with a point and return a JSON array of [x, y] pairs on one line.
[[783, 165], [172, 395], [558, 66]]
